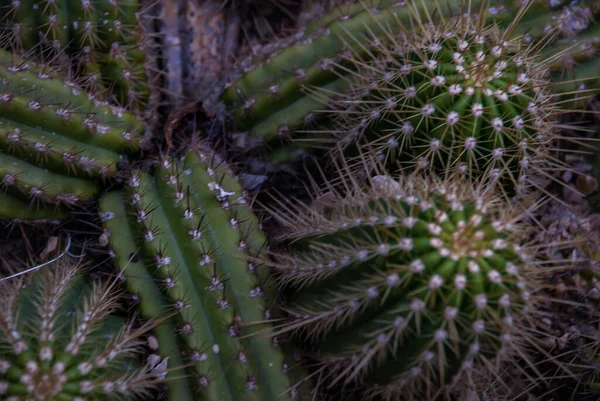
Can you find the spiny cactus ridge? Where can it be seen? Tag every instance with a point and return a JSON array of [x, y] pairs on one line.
[[409, 288], [57, 141], [61, 340], [192, 226]]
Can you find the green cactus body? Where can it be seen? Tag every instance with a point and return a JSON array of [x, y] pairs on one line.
[[105, 39], [193, 228], [61, 341], [405, 288], [55, 140]]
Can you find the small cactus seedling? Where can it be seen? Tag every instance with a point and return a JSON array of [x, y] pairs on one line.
[[60, 340], [56, 139], [192, 226], [405, 287], [105, 41]]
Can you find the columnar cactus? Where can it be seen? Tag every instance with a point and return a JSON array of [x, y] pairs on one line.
[[57, 140], [104, 40], [406, 287], [60, 339], [193, 227]]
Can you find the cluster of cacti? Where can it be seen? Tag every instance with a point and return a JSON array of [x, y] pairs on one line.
[[106, 41], [190, 228], [57, 141], [62, 339], [401, 287], [406, 287]]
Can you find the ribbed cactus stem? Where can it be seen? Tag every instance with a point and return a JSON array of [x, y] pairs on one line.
[[17, 210], [105, 41], [139, 282], [194, 228], [56, 139]]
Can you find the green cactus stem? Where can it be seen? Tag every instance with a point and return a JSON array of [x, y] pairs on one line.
[[407, 287], [193, 228], [61, 340], [56, 140]]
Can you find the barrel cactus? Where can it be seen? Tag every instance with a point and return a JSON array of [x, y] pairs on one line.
[[450, 95], [61, 339], [183, 235], [406, 288]]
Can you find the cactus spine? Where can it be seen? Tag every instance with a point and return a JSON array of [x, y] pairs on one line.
[[406, 288], [193, 227], [61, 340]]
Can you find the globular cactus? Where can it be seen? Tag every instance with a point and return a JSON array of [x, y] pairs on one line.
[[187, 231], [61, 339], [408, 288], [108, 41], [451, 95], [57, 141]]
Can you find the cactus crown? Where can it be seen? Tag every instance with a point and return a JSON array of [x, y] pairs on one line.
[[59, 339], [408, 286]]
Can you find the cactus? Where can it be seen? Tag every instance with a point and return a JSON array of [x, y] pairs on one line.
[[61, 339], [405, 287], [192, 226], [106, 41], [56, 140], [452, 95]]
